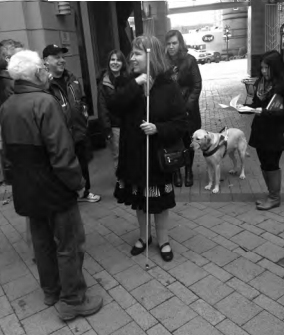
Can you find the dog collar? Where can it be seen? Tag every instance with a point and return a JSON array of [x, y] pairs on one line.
[[222, 142]]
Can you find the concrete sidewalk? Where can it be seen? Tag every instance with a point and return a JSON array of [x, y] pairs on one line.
[[226, 277]]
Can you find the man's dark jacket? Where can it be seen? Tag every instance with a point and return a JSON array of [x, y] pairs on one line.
[[6, 86], [46, 172], [74, 108]]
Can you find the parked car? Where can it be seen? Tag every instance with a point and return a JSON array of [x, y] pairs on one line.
[[212, 56], [203, 56]]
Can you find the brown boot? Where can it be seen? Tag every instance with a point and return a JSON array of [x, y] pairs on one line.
[[274, 187], [177, 178]]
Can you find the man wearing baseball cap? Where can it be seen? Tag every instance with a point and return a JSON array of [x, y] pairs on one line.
[[66, 87]]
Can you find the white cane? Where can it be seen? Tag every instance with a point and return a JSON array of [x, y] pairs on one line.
[[147, 158]]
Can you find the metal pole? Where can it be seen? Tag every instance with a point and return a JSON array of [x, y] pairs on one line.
[[227, 48], [147, 158]]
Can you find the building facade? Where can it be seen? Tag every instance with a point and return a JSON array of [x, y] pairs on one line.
[[91, 29]]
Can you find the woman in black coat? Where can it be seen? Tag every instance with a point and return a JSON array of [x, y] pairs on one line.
[[267, 130], [186, 72], [116, 73], [168, 123]]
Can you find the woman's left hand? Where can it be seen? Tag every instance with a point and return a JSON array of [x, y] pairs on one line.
[[148, 128]]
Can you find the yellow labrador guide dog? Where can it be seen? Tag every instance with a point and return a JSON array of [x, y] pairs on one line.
[[215, 146]]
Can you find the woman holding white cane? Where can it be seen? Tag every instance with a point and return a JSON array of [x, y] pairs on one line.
[[167, 124]]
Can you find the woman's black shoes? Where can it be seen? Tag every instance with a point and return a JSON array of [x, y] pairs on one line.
[[136, 251], [168, 255]]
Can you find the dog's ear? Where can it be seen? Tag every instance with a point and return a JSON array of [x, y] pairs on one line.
[[208, 137]]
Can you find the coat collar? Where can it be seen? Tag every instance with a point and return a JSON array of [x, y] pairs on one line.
[[5, 74], [67, 75], [106, 81], [24, 86]]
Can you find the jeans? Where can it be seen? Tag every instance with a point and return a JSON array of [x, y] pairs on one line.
[[114, 145], [82, 155], [269, 160], [59, 251]]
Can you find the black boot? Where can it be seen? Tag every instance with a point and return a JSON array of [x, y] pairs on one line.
[[177, 178], [188, 179], [274, 187]]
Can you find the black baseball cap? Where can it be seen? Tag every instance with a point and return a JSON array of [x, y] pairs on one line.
[[53, 50]]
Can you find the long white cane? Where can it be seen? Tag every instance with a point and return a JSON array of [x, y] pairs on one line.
[[147, 158]]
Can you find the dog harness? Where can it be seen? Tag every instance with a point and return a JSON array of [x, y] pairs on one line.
[[223, 141]]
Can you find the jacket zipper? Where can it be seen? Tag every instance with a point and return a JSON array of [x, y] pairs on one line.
[[73, 93]]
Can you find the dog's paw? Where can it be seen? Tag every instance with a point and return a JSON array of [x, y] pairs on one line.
[[208, 187], [242, 176], [233, 171], [215, 190]]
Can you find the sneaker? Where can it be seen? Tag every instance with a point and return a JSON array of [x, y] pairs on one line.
[[50, 299], [89, 306], [90, 197]]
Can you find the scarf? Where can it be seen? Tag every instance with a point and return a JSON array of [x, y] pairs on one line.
[[263, 89]]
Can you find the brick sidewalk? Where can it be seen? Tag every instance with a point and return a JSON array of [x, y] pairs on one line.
[[224, 280]]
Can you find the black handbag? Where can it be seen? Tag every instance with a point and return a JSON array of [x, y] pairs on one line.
[[173, 157]]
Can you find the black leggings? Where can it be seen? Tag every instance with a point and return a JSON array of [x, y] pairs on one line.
[[269, 160]]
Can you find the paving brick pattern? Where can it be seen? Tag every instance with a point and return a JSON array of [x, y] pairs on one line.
[[224, 279]]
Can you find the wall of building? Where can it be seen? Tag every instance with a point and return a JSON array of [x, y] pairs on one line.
[[159, 12], [237, 21], [257, 40], [35, 23]]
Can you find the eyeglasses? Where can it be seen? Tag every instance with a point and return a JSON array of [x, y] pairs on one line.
[[43, 67]]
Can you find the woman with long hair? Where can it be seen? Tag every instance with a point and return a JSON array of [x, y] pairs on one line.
[[185, 72], [268, 126], [167, 124], [115, 74]]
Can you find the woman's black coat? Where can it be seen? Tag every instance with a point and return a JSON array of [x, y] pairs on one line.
[[267, 129], [106, 88], [190, 82], [167, 112]]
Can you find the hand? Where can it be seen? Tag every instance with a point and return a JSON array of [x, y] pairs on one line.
[[142, 79], [148, 128]]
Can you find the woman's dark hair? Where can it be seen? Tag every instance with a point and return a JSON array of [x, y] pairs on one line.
[[120, 56], [182, 46], [274, 61]]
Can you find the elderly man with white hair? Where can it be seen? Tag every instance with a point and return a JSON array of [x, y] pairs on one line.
[[46, 181]]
